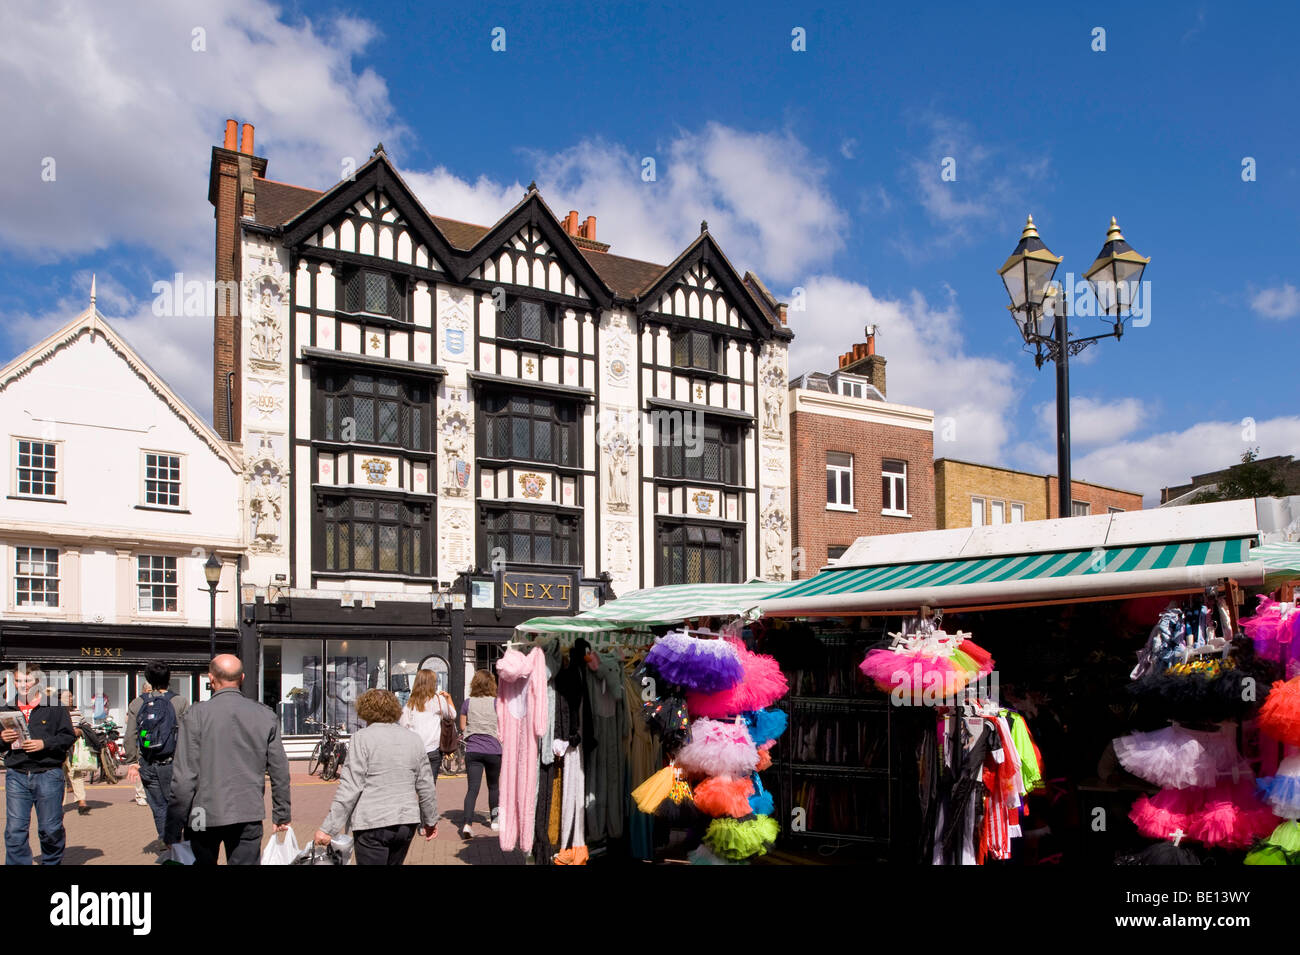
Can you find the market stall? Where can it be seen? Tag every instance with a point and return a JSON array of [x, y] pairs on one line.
[[592, 706], [1053, 599]]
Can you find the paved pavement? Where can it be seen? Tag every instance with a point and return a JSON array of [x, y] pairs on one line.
[[118, 832]]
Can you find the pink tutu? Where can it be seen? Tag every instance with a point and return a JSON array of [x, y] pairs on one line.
[[925, 672], [1275, 628], [1229, 815], [762, 685], [1178, 758], [1232, 817], [718, 749], [1167, 812]]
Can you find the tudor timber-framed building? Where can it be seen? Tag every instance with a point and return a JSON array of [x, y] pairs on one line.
[[449, 428]]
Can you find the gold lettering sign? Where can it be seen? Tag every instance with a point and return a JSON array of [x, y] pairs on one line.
[[525, 591], [101, 651]]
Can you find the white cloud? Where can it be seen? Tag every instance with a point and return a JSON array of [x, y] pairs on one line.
[[848, 148], [1278, 303], [927, 363], [761, 193], [178, 348], [128, 111], [1096, 422], [1171, 458]]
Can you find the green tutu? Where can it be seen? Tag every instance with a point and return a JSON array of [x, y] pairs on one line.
[[737, 839], [1280, 848]]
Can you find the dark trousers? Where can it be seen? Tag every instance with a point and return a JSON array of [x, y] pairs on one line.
[[243, 842], [157, 781], [475, 765], [43, 792], [386, 846], [435, 762]]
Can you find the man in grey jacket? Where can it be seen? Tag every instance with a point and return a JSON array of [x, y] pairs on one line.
[[228, 745]]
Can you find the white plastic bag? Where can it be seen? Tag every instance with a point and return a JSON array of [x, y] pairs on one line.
[[281, 851], [179, 854]]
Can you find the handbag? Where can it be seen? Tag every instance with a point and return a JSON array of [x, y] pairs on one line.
[[319, 855], [82, 758], [447, 741], [450, 737]]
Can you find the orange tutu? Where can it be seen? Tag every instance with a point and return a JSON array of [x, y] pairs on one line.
[[724, 796], [1279, 717]]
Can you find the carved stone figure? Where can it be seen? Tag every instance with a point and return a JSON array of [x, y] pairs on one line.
[[265, 511], [618, 450], [772, 405], [455, 429], [266, 289]]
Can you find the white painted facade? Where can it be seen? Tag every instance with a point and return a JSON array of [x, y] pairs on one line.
[[87, 395]]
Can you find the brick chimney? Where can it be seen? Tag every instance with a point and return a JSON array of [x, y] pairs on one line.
[[583, 233], [231, 191], [864, 361]]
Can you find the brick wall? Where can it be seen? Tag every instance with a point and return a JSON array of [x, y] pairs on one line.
[[1099, 497], [227, 268], [957, 482], [815, 528], [961, 482]]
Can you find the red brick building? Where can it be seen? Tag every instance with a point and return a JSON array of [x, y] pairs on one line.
[[860, 465]]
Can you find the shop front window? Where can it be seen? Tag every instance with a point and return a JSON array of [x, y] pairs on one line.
[[312, 681], [101, 695]]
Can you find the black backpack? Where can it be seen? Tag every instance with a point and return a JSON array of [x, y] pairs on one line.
[[157, 727]]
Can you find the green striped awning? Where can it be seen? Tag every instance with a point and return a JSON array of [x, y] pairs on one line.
[[1282, 560], [660, 606], [1042, 566]]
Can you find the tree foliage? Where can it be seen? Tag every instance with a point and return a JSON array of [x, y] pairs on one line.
[[1249, 479]]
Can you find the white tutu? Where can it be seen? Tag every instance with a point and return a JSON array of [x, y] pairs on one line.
[[1179, 758]]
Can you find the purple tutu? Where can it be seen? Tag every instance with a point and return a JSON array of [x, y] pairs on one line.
[[705, 666]]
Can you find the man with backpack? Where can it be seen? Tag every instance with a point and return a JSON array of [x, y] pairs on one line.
[[152, 728]]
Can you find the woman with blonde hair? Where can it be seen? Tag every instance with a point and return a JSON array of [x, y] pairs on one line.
[[385, 790], [424, 713], [478, 721]]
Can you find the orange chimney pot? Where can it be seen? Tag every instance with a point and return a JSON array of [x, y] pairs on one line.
[[246, 141], [232, 128], [589, 228]]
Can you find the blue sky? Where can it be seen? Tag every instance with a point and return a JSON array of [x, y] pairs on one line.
[[819, 169]]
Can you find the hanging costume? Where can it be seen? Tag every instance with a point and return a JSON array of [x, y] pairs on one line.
[[521, 721], [605, 765]]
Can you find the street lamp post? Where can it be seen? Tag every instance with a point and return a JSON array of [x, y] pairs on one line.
[[1041, 311], [212, 572]]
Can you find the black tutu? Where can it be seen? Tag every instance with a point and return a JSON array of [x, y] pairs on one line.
[[1208, 688], [1162, 853]]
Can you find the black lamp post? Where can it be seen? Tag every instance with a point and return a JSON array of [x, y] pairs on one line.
[[212, 572], [1041, 312]]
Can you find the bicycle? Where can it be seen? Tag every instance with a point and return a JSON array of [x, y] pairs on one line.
[[330, 751]]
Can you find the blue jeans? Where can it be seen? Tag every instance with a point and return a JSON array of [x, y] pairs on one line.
[[157, 781], [44, 792]]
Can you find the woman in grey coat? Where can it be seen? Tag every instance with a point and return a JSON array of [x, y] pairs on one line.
[[386, 788]]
